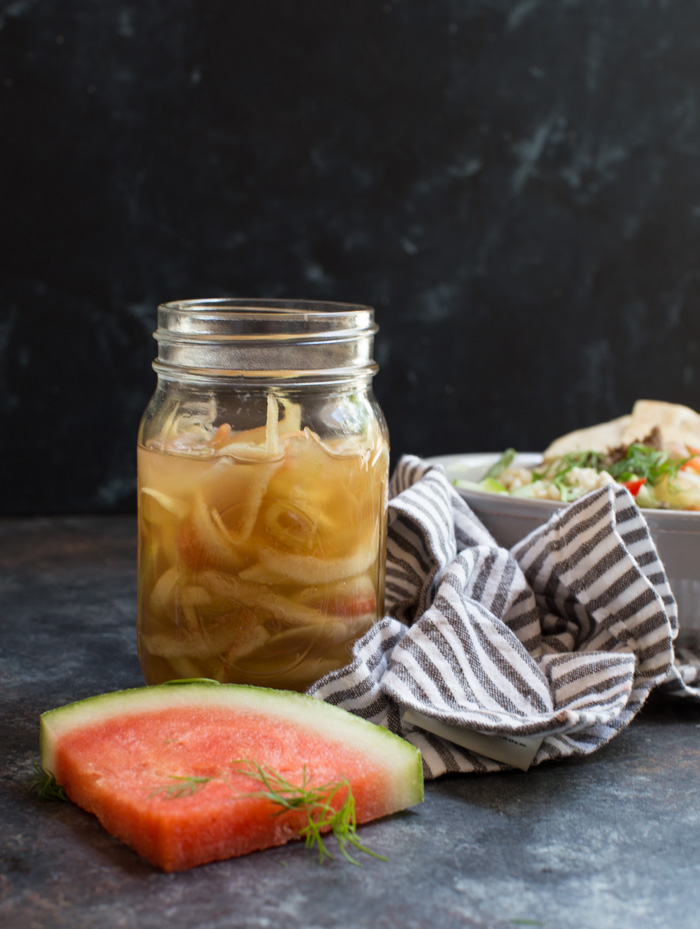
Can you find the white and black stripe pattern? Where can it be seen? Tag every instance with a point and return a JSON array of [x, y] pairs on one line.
[[563, 637]]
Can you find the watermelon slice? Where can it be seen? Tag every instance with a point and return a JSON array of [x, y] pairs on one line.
[[191, 772]]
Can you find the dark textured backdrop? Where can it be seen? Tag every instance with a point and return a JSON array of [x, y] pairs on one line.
[[515, 186]]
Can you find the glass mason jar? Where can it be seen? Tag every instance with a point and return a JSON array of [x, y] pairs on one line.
[[263, 463]]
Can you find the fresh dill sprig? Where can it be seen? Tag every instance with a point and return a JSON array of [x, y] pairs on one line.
[[318, 804], [45, 785], [184, 787]]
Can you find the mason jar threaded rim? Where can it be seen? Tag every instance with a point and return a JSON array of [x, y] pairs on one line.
[[305, 340]]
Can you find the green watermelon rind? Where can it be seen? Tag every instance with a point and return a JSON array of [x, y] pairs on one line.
[[328, 721]]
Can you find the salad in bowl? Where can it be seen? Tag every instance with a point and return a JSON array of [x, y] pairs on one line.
[[654, 452]]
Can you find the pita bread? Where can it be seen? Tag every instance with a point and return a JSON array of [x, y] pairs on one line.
[[594, 438], [676, 424]]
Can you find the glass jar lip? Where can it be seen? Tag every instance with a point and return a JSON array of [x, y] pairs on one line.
[[261, 319], [266, 306], [236, 337]]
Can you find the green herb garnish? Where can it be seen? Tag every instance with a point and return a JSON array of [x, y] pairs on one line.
[[184, 787], [46, 786], [628, 464], [317, 803], [557, 471], [322, 814], [646, 462]]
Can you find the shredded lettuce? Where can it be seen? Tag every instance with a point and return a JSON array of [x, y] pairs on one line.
[[505, 461]]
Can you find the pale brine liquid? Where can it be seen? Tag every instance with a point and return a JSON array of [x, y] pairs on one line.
[[261, 555]]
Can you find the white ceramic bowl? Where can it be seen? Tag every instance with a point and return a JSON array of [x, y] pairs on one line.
[[509, 519]]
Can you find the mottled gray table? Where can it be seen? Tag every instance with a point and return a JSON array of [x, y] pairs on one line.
[[607, 841]]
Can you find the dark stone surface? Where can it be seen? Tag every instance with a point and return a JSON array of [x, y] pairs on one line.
[[603, 842], [513, 185]]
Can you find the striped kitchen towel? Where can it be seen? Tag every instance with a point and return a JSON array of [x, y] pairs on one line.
[[489, 659]]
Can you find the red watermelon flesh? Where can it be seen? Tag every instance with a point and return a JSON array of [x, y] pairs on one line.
[[161, 768]]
